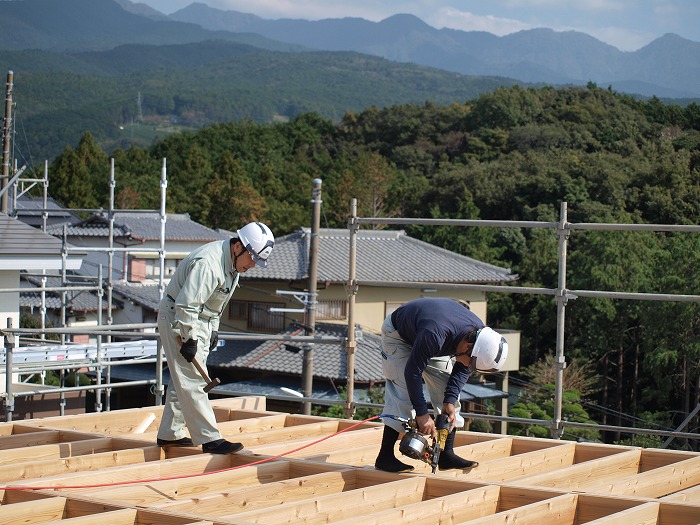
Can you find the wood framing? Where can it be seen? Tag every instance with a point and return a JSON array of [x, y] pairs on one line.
[[106, 468]]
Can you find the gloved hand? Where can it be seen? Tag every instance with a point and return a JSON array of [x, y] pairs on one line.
[[214, 340], [189, 349]]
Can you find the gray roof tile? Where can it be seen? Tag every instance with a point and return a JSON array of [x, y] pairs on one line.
[[29, 210], [330, 360], [142, 226], [147, 295], [79, 301], [20, 241], [382, 255]]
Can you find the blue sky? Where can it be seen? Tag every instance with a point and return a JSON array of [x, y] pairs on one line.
[[625, 24]]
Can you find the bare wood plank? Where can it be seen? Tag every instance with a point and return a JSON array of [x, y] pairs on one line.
[[276, 444], [642, 514], [89, 462], [129, 473], [115, 517], [521, 465], [463, 508], [145, 424], [655, 483], [327, 509], [257, 403], [9, 497], [655, 458], [190, 487], [283, 434], [524, 445], [689, 495], [265, 496], [114, 422], [53, 451], [582, 475], [514, 497], [29, 440], [592, 451], [560, 510], [30, 512], [10, 428], [593, 507], [678, 514]]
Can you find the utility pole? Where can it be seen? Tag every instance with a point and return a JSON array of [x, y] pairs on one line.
[[5, 181], [312, 286], [138, 103]]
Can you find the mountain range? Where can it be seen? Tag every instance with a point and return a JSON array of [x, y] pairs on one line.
[[668, 67]]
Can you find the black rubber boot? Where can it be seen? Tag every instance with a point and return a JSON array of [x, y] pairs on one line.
[[386, 460], [449, 460], [221, 446]]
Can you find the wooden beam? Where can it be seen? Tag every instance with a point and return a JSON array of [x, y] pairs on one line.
[[355, 503], [642, 514], [462, 507], [590, 473], [521, 465], [655, 483], [88, 462], [265, 496]]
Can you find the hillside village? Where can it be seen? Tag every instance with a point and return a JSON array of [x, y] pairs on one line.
[[492, 171], [246, 367]]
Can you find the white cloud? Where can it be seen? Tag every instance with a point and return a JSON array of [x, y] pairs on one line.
[[621, 38], [466, 21]]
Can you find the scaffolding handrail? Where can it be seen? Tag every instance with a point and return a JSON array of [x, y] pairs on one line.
[[562, 294]]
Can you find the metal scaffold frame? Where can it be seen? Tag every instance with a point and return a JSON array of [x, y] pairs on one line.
[[19, 187], [561, 294], [109, 354]]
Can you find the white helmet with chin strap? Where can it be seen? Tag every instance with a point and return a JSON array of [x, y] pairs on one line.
[[490, 350], [258, 240]]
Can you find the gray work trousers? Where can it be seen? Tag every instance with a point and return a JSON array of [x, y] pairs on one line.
[[185, 402], [395, 354]]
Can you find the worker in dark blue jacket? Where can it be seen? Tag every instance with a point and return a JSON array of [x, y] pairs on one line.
[[442, 342]]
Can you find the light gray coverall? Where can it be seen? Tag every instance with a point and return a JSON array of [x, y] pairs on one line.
[[191, 308]]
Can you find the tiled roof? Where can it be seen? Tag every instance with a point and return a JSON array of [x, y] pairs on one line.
[[330, 360], [142, 226], [382, 255], [20, 241], [146, 295], [79, 301], [28, 209]]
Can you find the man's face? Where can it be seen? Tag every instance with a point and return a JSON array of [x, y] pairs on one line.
[[244, 261], [464, 352]]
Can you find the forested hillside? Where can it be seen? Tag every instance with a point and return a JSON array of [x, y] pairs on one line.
[[132, 94], [513, 154]]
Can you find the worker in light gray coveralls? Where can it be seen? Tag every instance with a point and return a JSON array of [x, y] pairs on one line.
[[188, 322], [442, 342]]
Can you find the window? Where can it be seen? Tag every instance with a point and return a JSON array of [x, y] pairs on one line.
[[137, 270], [331, 309], [257, 315]]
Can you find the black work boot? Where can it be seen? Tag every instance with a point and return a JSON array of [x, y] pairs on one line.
[[386, 460], [221, 446], [449, 460]]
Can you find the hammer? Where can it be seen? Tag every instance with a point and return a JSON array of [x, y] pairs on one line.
[[210, 384]]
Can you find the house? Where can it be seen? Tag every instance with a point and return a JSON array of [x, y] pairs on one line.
[[35, 212], [136, 242], [29, 250], [23, 248], [384, 257]]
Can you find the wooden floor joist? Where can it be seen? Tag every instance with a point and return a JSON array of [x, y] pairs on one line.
[[106, 468]]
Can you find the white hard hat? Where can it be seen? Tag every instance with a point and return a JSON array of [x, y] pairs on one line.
[[490, 350], [258, 240]]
